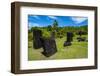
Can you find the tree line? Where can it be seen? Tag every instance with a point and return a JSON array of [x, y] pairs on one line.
[[59, 31]]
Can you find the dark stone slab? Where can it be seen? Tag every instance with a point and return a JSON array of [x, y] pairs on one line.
[[49, 46], [67, 43], [69, 36], [81, 39], [37, 34], [69, 39], [81, 33]]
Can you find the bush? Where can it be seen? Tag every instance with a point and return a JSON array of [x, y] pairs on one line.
[[46, 34], [30, 38]]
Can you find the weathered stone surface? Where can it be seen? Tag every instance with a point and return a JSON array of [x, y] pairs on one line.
[[69, 36], [67, 43], [49, 46], [69, 39], [81, 39], [81, 33], [37, 34]]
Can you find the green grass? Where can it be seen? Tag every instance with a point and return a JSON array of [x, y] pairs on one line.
[[76, 50]]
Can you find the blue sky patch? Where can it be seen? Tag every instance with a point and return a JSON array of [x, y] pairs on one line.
[[43, 20]]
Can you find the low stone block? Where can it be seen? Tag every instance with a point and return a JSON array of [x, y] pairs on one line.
[[67, 43], [81, 39]]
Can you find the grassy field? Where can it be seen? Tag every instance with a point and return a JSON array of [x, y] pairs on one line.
[[76, 50]]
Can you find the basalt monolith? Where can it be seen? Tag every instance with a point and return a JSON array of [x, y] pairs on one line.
[[37, 34], [49, 46]]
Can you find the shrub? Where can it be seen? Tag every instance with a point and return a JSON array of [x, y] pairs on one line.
[[30, 36], [46, 34]]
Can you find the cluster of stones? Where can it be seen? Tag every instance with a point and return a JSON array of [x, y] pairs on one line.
[[48, 44], [80, 39]]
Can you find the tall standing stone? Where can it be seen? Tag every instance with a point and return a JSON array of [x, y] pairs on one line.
[[69, 39], [37, 34], [69, 36]]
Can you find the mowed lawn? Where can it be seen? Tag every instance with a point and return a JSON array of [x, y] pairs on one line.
[[75, 51]]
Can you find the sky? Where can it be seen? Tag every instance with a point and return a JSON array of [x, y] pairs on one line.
[[44, 20]]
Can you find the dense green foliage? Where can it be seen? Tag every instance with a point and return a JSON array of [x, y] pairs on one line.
[[59, 31]]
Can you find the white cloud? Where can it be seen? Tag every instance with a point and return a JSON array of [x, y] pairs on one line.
[[52, 17], [78, 19]]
